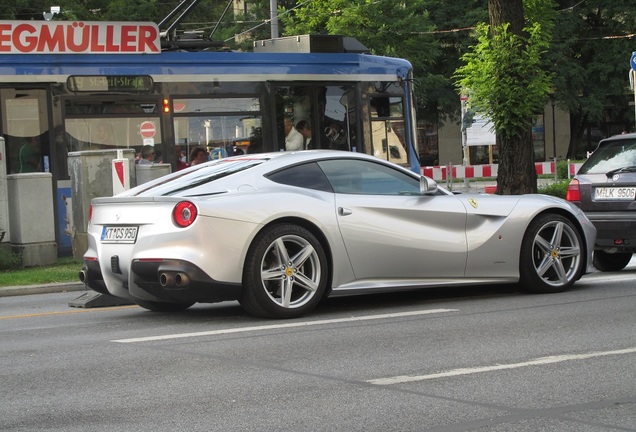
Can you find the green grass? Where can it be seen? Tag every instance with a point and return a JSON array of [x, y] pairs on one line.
[[64, 270]]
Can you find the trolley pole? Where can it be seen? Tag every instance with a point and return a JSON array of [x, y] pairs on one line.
[[273, 15]]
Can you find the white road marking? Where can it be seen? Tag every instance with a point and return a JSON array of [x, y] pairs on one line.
[[283, 326], [594, 278], [475, 370]]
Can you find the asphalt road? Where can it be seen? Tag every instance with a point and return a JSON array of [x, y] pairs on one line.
[[478, 359]]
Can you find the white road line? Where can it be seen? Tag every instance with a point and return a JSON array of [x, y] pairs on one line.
[[595, 278], [475, 370], [284, 326]]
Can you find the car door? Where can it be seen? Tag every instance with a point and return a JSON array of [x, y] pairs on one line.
[[390, 230]]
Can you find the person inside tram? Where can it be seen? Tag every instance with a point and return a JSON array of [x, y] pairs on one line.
[[181, 162], [30, 155], [198, 155], [304, 127], [147, 155], [293, 138]]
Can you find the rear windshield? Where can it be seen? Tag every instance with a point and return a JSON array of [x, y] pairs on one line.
[[200, 182], [611, 156]]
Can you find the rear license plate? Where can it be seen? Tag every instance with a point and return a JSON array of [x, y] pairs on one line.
[[122, 234], [615, 193]]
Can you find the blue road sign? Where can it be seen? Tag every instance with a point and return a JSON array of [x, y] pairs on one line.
[[633, 61]]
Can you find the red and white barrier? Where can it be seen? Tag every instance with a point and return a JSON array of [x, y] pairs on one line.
[[485, 171]]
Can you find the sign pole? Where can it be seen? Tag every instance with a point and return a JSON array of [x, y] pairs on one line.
[[466, 159]]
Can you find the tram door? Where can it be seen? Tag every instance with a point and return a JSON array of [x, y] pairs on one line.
[[25, 127]]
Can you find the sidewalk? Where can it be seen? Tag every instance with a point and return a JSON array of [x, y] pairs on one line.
[[10, 291]]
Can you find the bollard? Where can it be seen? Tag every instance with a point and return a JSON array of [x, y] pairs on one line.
[[121, 173]]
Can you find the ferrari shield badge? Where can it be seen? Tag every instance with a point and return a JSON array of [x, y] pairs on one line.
[[473, 202]]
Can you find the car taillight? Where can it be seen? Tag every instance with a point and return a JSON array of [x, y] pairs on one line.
[[90, 213], [574, 192], [184, 214]]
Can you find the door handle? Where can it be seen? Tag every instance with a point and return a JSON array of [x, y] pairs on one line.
[[344, 211]]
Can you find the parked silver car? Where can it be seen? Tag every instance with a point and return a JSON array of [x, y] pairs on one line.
[[605, 189], [278, 232]]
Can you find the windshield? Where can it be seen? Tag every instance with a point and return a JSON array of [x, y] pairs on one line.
[[611, 156], [198, 182]]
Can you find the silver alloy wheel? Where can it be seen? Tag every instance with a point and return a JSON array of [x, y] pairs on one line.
[[290, 271], [556, 253]]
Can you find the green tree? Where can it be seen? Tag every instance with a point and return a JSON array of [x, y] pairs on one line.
[[589, 57], [507, 84]]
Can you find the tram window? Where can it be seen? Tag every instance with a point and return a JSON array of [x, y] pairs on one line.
[[388, 132], [386, 106], [97, 133], [76, 108], [330, 110], [217, 105], [225, 126]]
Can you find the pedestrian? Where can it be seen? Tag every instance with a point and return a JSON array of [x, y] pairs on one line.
[[293, 138]]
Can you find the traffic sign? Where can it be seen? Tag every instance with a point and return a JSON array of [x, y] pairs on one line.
[[147, 129], [633, 61]]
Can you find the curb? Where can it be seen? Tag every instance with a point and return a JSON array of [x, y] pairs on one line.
[[10, 291]]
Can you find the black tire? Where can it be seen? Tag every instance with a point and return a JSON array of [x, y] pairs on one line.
[[162, 306], [552, 255], [285, 273], [607, 262]]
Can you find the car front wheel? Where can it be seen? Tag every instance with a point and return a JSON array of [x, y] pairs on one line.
[[608, 262], [285, 273], [552, 255]]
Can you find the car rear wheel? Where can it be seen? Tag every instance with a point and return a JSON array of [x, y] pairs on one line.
[[608, 262], [285, 273], [552, 255], [162, 306]]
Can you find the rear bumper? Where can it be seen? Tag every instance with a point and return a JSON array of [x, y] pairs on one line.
[[174, 281], [615, 231]]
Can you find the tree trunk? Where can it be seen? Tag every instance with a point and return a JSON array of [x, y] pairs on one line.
[[516, 174], [577, 127], [507, 11]]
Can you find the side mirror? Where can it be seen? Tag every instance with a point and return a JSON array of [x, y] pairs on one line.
[[428, 186]]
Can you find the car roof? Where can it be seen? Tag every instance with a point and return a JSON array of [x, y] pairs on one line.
[[284, 158], [624, 136]]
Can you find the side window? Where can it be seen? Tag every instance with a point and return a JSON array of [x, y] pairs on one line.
[[307, 176], [368, 178], [387, 128], [318, 116]]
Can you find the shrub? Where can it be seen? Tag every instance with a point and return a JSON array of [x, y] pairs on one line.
[[8, 259], [557, 189], [562, 169]]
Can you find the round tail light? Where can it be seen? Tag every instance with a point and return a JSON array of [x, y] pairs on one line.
[[184, 214]]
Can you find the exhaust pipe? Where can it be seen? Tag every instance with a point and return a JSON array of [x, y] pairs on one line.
[[166, 279], [181, 280], [82, 276]]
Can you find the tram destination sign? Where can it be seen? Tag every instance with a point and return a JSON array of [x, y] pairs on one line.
[[110, 83]]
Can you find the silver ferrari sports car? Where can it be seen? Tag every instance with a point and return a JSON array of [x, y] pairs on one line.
[[280, 231]]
